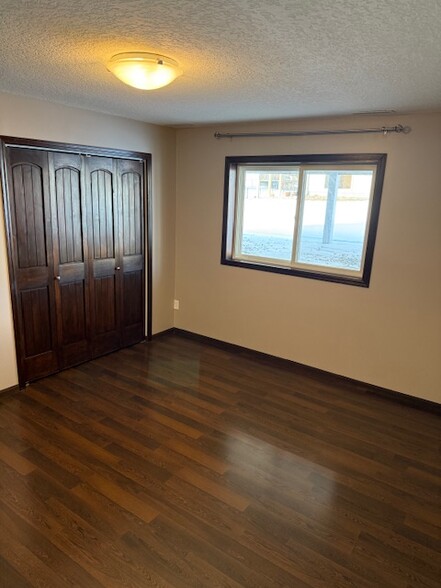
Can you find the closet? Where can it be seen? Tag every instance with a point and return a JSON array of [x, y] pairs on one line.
[[75, 226]]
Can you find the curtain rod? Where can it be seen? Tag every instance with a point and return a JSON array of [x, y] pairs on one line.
[[382, 130]]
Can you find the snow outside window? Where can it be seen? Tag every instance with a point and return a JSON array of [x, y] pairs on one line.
[[314, 216]]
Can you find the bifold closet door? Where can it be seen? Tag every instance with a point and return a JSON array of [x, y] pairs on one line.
[[131, 247], [76, 236], [104, 255], [30, 239], [69, 230], [116, 252]]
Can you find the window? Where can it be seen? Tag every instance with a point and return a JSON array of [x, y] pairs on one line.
[[309, 215]]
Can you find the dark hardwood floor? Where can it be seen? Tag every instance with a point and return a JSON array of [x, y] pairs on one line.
[[175, 463]]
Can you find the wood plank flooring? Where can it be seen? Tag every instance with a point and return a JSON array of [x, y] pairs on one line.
[[175, 463]]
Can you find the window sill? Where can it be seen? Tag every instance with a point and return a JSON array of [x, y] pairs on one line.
[[362, 282]]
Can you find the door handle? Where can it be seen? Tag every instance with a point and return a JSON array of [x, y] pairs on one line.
[[117, 268], [58, 278]]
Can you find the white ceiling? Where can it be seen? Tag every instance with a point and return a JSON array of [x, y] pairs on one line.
[[242, 59]]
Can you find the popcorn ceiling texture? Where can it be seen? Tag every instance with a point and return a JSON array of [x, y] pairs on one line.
[[242, 59]]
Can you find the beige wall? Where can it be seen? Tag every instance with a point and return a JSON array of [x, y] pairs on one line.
[[35, 119], [389, 334]]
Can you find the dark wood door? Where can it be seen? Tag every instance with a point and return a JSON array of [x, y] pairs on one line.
[[105, 265], [32, 262], [131, 247], [76, 235], [70, 245]]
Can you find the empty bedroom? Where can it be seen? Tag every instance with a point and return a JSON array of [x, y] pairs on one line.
[[220, 294]]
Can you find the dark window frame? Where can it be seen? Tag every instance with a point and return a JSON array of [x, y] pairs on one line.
[[229, 211]]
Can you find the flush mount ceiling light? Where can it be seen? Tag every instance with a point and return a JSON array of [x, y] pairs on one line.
[[145, 71]]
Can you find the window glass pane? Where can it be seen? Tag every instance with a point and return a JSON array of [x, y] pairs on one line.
[[269, 207], [333, 226]]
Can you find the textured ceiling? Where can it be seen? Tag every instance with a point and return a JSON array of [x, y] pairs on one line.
[[242, 59]]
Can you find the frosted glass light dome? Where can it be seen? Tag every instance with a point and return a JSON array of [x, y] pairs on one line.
[[145, 71]]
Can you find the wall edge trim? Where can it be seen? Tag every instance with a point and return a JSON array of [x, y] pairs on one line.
[[10, 390], [360, 387], [160, 334]]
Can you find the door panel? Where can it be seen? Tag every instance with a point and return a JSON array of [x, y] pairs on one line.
[[133, 307], [69, 210], [27, 182], [101, 190], [105, 290], [36, 317], [69, 226], [105, 307], [131, 195], [73, 320], [130, 175], [32, 262]]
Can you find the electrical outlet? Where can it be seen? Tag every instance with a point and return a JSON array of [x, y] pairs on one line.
[[176, 304]]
